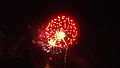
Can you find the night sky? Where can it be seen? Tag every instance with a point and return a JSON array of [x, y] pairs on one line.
[[18, 23]]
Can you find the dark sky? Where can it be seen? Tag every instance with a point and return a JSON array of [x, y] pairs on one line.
[[20, 18]]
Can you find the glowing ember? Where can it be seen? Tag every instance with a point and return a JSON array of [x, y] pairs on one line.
[[59, 33]]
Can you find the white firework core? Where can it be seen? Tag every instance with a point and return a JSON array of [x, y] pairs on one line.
[[58, 36]]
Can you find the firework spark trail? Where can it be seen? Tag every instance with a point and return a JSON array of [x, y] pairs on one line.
[[65, 58]]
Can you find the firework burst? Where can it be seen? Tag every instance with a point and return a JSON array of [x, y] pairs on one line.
[[59, 34]]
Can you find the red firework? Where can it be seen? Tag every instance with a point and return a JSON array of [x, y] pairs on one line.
[[59, 33]]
